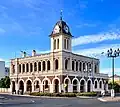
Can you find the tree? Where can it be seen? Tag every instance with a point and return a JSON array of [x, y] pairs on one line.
[[116, 86], [5, 82]]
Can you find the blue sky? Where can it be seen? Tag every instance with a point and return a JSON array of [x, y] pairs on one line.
[[26, 25]]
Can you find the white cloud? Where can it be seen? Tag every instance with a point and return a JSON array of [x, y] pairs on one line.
[[86, 39], [97, 51], [109, 71]]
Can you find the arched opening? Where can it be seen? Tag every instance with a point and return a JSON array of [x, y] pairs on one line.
[[23, 67], [73, 65], [95, 84], [29, 86], [66, 64], [100, 84], [31, 67], [48, 65], [76, 66], [56, 64], [13, 86], [43, 64], [46, 87], [84, 67], [95, 68], [21, 86], [89, 86], [27, 67], [39, 66], [66, 85], [19, 68], [36, 86], [82, 86], [80, 66], [56, 86], [57, 43], [75, 85], [35, 66]]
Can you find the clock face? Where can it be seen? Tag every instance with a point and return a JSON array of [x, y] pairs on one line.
[[56, 29], [66, 29]]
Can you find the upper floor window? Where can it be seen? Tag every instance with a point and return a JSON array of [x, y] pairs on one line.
[[66, 64], [13, 68], [39, 66], [73, 65], [76, 66], [80, 66], [31, 67], [43, 64], [19, 68], [67, 44], [27, 67], [84, 67], [64, 43], [56, 64], [48, 65], [23, 67], [57, 43], [95, 84], [95, 68], [54, 44], [35, 66]]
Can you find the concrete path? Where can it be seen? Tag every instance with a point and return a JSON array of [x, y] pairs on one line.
[[109, 99]]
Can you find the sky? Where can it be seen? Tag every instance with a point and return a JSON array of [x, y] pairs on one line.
[[95, 24]]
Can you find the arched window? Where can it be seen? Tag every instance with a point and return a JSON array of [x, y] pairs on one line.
[[54, 44], [31, 67], [57, 43], [13, 68], [23, 67], [100, 84], [95, 84], [64, 43], [48, 65], [67, 44], [43, 64], [39, 66], [90, 66], [73, 65], [76, 66], [95, 68], [80, 66], [56, 64], [27, 67], [35, 66], [19, 68], [66, 64]]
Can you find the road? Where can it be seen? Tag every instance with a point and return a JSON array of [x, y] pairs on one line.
[[20, 101]]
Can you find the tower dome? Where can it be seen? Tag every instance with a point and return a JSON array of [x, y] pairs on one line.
[[61, 28]]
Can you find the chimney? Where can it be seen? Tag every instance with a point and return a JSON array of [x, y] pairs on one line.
[[33, 52], [23, 54]]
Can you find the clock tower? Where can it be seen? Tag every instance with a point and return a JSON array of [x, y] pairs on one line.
[[61, 37]]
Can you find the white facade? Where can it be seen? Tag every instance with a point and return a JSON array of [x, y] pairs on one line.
[[57, 71], [2, 69]]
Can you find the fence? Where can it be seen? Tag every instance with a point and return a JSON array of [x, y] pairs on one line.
[[4, 90]]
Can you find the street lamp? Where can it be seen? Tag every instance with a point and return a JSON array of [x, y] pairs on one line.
[[113, 54]]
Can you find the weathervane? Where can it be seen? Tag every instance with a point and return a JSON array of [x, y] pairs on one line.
[[61, 14]]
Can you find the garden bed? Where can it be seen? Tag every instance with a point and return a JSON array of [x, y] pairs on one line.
[[89, 94]]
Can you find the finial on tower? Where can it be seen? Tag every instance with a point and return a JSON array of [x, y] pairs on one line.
[[61, 15]]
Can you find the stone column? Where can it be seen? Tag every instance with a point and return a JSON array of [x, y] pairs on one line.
[[33, 67], [22, 68], [25, 86], [70, 88], [25, 68], [37, 67], [70, 64]]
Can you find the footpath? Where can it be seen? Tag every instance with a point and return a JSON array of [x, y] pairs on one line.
[[110, 99]]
